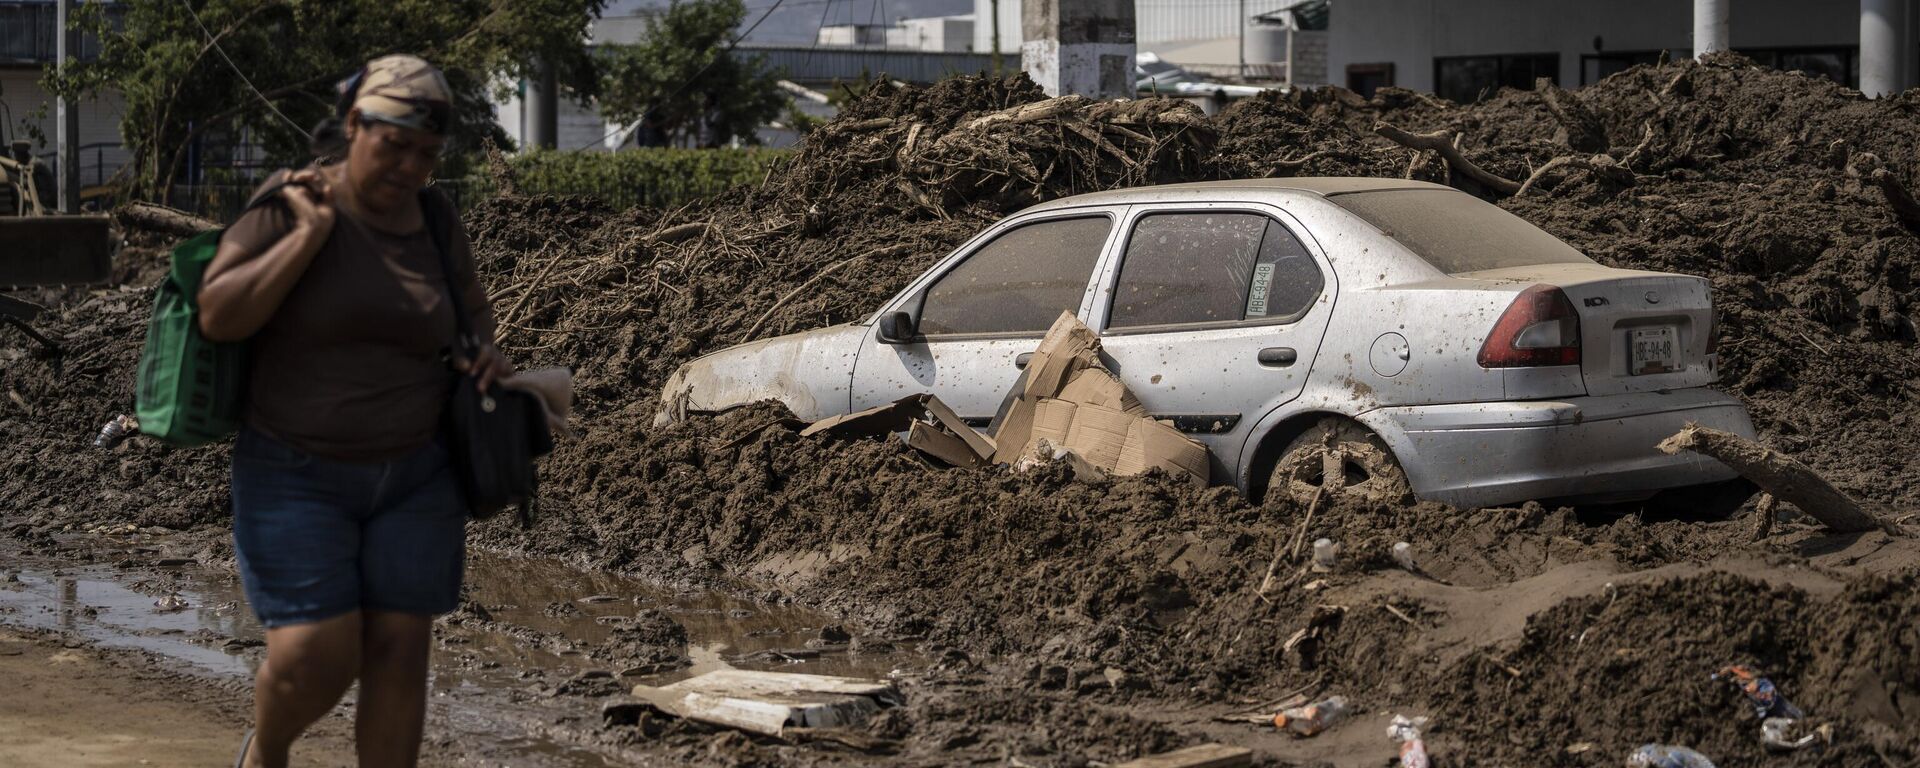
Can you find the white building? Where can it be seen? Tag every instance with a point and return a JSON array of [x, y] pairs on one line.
[[1461, 48]]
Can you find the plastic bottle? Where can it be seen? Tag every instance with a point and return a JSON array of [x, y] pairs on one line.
[[1403, 555], [1782, 734], [1325, 554], [117, 429], [1667, 756], [1313, 718], [1761, 693], [1413, 750]]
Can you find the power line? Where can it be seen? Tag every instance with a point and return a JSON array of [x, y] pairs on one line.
[[689, 81], [215, 42]]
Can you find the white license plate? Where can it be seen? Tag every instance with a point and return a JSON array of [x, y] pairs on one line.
[[1655, 350]]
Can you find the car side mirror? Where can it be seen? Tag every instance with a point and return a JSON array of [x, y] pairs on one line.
[[896, 328]]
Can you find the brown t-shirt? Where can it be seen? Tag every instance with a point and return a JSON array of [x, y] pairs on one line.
[[352, 366]]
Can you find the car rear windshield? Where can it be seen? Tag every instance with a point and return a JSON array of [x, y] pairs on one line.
[[1457, 232]]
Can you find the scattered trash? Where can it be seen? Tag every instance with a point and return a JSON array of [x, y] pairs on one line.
[[1766, 699], [1667, 756], [1313, 718], [1325, 554], [1413, 749], [1069, 397], [171, 603], [1785, 734], [767, 703], [117, 429], [932, 428], [1403, 555]]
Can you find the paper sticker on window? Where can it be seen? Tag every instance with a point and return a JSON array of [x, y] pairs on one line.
[[1257, 295]]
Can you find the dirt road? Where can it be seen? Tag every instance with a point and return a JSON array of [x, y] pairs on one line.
[[83, 706]]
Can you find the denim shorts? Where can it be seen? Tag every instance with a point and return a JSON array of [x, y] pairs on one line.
[[317, 538]]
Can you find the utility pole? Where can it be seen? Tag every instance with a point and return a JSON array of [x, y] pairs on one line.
[[1883, 57], [1243, 39], [1709, 26], [1083, 47], [541, 109], [994, 11], [66, 115]]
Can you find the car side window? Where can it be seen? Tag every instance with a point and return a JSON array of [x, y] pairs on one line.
[[1185, 268], [1018, 283]]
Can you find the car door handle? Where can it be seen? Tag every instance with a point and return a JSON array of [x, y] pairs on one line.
[[1022, 360], [1278, 357]]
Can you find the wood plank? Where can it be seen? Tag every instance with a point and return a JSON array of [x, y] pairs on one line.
[[1203, 756]]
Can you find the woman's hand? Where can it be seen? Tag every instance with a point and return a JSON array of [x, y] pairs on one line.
[[487, 367], [310, 198]]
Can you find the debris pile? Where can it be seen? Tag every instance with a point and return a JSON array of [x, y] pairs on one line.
[[1084, 595]]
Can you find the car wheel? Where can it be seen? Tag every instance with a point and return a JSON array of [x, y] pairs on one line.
[[1338, 457], [1705, 503]]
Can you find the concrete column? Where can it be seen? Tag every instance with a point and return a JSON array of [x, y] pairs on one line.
[[1709, 26], [541, 109], [1079, 46], [1883, 58], [66, 115]]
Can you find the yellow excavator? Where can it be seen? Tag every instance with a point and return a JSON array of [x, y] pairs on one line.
[[40, 247]]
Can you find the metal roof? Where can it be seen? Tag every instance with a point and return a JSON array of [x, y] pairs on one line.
[[1236, 189]]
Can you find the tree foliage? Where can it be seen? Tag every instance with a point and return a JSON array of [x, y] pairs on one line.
[[681, 80], [177, 87]]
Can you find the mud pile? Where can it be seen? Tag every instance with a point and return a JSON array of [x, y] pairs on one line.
[[1077, 599]]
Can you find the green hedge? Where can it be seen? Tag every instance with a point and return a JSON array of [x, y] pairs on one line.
[[659, 177]]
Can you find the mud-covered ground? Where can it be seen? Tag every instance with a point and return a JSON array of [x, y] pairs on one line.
[[1070, 623]]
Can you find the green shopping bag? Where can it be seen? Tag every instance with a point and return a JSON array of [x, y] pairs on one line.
[[190, 389]]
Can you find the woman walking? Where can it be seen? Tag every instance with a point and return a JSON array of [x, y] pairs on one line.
[[349, 525]]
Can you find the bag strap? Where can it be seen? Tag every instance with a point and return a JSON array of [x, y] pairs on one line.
[[437, 212]]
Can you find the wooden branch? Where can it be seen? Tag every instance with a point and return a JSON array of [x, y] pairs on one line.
[[1780, 475], [1905, 208], [1442, 143], [154, 217], [1646, 138], [679, 232]]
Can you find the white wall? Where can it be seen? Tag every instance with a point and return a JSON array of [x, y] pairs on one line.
[[580, 127], [953, 34], [99, 119], [1411, 33]]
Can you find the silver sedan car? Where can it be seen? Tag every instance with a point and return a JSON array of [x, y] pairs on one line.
[[1352, 335]]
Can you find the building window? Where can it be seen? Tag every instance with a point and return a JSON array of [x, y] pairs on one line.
[[1840, 64], [1364, 79], [1595, 67], [1467, 79]]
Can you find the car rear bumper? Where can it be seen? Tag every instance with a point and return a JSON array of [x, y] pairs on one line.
[[1600, 448]]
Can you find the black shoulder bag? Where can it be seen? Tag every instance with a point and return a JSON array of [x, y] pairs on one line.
[[493, 436]]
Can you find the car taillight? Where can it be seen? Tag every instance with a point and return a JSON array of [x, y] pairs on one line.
[[1539, 328]]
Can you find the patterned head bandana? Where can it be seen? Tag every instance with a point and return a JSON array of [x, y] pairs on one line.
[[405, 91]]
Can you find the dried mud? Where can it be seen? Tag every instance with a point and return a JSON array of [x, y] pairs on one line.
[[1074, 622]]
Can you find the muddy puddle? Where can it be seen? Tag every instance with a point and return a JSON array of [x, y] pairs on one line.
[[507, 687]]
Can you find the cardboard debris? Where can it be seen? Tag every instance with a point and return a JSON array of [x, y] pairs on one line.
[[1065, 406], [1069, 399], [770, 702], [930, 425]]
